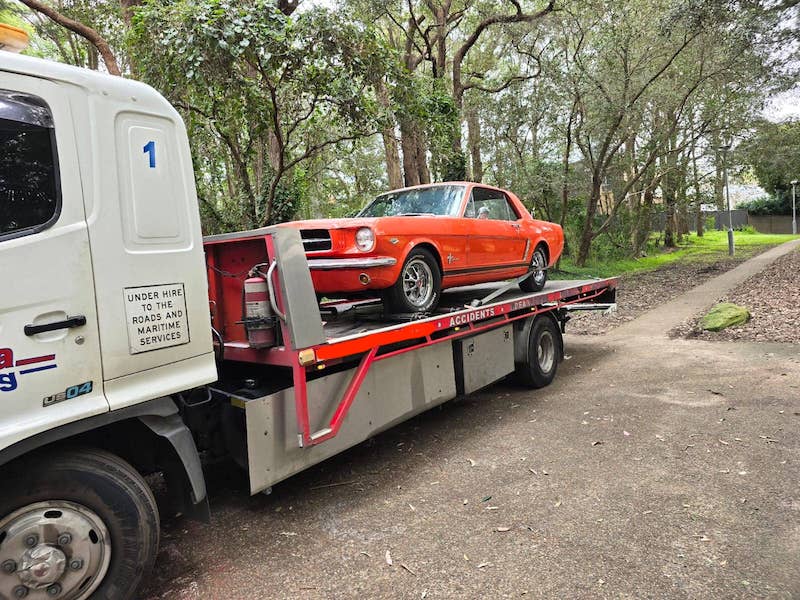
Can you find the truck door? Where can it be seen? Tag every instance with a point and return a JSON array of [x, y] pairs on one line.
[[50, 371], [147, 251]]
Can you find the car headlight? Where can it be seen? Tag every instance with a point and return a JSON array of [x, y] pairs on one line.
[[365, 239]]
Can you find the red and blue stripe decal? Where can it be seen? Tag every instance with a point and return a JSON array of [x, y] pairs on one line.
[[36, 360]]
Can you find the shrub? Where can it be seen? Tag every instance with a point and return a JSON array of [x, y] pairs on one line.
[[780, 204]]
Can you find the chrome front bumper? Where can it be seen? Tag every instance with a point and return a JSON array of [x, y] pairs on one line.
[[329, 264]]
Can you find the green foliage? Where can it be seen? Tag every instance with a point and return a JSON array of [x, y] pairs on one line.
[[264, 92], [773, 151], [781, 204]]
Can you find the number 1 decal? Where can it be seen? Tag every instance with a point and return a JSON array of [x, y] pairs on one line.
[[150, 148]]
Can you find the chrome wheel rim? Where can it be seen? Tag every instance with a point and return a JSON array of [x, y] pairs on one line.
[[55, 549], [539, 266], [417, 283], [546, 351]]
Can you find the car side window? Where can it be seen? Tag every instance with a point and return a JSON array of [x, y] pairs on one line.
[[485, 203], [29, 186]]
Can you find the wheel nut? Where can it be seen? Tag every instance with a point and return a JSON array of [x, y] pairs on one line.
[[20, 591], [76, 564], [31, 540], [9, 566], [54, 590], [64, 539]]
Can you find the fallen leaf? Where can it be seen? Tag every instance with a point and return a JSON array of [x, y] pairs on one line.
[[486, 499], [724, 443], [557, 504], [545, 472], [596, 443], [411, 506], [503, 529], [532, 471], [389, 558], [367, 554], [407, 569], [482, 565], [471, 462]]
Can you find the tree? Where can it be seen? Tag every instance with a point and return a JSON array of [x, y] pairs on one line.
[[265, 91]]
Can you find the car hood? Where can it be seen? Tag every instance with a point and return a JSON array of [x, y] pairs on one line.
[[344, 223]]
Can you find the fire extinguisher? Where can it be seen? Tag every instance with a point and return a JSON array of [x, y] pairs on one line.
[[258, 319]]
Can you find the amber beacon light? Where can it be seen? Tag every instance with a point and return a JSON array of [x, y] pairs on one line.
[[12, 39]]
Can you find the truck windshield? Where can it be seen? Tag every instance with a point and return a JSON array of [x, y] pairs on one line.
[[444, 200]]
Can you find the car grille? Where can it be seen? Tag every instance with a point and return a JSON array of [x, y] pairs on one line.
[[315, 240]]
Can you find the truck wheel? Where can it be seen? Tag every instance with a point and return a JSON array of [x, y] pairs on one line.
[[538, 277], [419, 285], [544, 351], [74, 525]]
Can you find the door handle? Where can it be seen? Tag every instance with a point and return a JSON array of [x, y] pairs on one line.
[[516, 226], [68, 323]]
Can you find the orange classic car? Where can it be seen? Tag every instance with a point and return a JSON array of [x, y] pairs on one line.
[[408, 245]]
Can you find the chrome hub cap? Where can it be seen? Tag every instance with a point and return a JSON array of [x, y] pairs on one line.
[[42, 565], [55, 549], [418, 283], [546, 352]]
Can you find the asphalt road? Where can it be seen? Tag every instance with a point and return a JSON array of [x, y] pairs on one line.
[[650, 468]]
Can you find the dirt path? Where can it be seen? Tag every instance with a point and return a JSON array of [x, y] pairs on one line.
[[650, 468]]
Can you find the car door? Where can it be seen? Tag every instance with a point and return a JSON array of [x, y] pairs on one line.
[[494, 239], [50, 369]]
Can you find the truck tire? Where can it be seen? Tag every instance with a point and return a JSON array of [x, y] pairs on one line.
[[85, 518], [545, 348], [538, 276], [418, 287]]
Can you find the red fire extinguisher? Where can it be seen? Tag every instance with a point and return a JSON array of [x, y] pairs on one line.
[[258, 321]]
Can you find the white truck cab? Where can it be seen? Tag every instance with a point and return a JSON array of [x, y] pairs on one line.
[[103, 314], [100, 242]]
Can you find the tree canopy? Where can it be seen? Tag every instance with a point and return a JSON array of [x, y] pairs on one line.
[[597, 113]]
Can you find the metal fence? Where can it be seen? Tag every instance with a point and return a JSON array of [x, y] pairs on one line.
[[739, 217]]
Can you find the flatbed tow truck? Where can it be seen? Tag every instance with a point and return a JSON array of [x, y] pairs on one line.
[[130, 346]]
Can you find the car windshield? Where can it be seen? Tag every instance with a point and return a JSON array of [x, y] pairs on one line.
[[442, 200]]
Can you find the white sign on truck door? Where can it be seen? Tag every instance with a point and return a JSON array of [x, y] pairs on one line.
[[156, 317]]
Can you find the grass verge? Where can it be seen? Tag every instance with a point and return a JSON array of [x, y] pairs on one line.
[[713, 246]]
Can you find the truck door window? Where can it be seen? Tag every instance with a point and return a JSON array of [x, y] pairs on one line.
[[29, 188]]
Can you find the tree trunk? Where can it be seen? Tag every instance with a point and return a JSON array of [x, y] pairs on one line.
[[474, 140], [408, 143], [390, 149], [645, 212], [587, 235]]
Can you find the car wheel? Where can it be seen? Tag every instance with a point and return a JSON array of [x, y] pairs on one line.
[[419, 285], [538, 271], [76, 524]]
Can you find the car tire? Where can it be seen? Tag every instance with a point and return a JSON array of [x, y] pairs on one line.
[[545, 349], [103, 508], [538, 271], [418, 287]]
